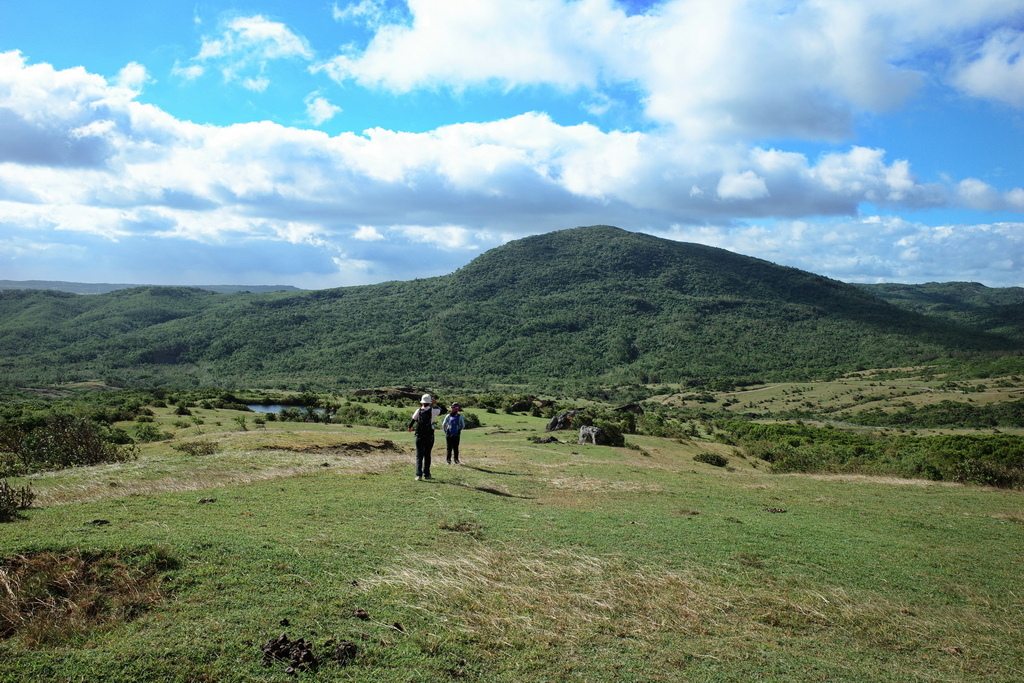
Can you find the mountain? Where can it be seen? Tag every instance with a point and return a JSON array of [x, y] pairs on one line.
[[589, 305], [999, 310], [103, 287]]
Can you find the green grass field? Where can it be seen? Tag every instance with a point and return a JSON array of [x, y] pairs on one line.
[[530, 562], [888, 390]]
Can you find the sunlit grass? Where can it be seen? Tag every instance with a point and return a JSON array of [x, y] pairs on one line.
[[529, 563]]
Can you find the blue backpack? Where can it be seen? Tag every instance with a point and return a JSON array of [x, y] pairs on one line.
[[455, 423]]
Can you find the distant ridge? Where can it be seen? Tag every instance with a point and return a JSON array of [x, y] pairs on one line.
[[104, 288], [590, 306]]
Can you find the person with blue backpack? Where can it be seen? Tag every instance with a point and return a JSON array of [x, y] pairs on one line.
[[453, 425]]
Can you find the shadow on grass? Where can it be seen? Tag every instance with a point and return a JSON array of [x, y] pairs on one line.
[[484, 469], [483, 489], [497, 492]]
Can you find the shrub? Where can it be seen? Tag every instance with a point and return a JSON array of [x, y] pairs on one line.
[[64, 440], [12, 500], [611, 433], [148, 432], [987, 474], [712, 459]]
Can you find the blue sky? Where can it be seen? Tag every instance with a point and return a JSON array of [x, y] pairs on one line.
[[331, 144]]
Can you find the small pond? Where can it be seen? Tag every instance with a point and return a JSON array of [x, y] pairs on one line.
[[276, 408]]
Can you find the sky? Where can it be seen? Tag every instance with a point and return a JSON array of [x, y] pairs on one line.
[[327, 144]]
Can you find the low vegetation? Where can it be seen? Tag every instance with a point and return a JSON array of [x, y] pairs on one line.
[[52, 599], [533, 560], [13, 500]]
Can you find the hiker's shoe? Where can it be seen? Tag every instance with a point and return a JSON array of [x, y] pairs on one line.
[[449, 462], [457, 462], [418, 478]]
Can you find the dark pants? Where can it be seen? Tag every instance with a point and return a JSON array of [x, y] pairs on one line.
[[423, 445], [453, 447]]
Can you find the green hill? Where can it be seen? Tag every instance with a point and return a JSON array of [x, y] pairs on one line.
[[999, 310], [105, 287], [593, 305]]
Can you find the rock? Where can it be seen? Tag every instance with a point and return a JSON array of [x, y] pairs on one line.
[[593, 435], [562, 421]]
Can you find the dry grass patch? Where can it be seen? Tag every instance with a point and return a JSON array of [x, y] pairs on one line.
[[239, 461], [1016, 519], [871, 479], [47, 598], [602, 486], [506, 598], [557, 606]]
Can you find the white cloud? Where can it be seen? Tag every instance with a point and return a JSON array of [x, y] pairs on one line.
[[746, 185], [1015, 199], [319, 109], [997, 70], [445, 236], [712, 69], [371, 12], [132, 77], [264, 38], [189, 73], [258, 84], [461, 43], [878, 249], [976, 194], [244, 48], [368, 233], [80, 156]]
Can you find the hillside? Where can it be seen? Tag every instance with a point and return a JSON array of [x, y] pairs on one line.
[[587, 305], [105, 287], [999, 310]]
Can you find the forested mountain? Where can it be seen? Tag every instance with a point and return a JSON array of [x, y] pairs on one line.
[[993, 309], [105, 287], [595, 304]]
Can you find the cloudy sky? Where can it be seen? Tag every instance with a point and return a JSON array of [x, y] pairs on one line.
[[323, 144]]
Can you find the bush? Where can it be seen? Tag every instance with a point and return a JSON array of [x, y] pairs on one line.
[[12, 500], [712, 459], [987, 474], [64, 440], [611, 433], [148, 432]]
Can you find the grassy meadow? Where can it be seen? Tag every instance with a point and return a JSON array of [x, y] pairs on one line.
[[529, 562], [889, 391]]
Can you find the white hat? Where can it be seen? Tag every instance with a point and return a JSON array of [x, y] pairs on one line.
[[426, 399]]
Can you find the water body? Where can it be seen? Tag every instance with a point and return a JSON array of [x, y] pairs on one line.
[[276, 408]]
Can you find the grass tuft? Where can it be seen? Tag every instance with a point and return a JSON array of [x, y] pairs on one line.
[[49, 598]]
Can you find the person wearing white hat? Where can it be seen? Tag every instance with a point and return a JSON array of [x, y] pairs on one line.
[[423, 422]]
